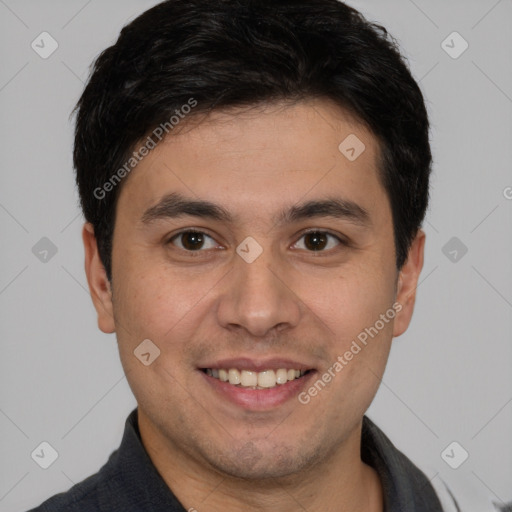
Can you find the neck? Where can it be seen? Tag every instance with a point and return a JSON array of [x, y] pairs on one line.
[[339, 482]]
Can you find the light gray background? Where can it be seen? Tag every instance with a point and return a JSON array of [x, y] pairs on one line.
[[449, 377]]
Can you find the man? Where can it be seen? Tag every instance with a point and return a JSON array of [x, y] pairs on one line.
[[254, 176]]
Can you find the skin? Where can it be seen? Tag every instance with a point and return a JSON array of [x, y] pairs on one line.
[[291, 302]]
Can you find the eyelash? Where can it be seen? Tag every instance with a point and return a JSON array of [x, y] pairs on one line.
[[197, 253]]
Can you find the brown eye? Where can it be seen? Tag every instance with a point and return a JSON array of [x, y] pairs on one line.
[[315, 241], [318, 241], [191, 240]]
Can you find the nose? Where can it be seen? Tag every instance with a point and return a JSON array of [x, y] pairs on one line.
[[258, 299]]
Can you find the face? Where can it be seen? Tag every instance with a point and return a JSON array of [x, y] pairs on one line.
[[281, 273]]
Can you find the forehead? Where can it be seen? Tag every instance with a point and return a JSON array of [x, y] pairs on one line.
[[256, 159]]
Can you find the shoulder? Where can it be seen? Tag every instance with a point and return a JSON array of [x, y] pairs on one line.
[[408, 488], [90, 494], [461, 493], [82, 497]]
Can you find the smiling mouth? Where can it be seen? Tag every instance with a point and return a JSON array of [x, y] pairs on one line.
[[266, 379]]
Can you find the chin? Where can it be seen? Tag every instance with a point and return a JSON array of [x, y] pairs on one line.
[[251, 463]]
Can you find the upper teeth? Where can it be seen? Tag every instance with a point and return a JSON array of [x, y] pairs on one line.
[[257, 380]]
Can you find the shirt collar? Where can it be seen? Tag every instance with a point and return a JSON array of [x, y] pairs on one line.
[[132, 476], [405, 487]]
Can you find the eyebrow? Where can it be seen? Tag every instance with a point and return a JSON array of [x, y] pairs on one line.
[[175, 205]]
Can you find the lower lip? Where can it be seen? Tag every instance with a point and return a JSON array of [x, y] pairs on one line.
[[259, 399]]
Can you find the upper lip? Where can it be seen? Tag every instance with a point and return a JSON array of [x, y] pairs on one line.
[[256, 365]]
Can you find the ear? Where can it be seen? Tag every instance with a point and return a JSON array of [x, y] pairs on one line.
[[99, 285], [407, 283]]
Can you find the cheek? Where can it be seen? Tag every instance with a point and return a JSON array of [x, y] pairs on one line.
[[149, 293], [158, 307], [357, 307], [164, 305], [352, 301]]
